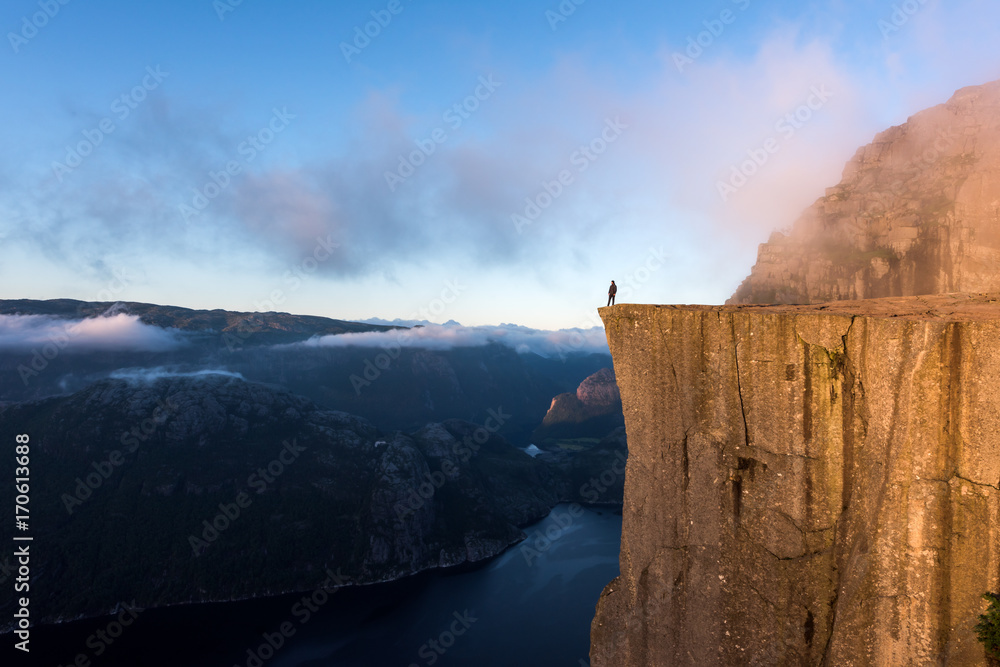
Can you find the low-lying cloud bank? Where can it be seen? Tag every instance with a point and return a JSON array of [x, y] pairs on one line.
[[124, 332], [447, 336], [114, 332], [140, 375]]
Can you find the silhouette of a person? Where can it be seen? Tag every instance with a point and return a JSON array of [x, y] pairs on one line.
[[611, 293]]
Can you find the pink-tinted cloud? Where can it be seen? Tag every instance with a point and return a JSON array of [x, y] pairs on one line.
[[115, 332]]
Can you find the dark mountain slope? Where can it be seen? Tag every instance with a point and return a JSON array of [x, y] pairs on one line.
[[235, 328], [185, 489]]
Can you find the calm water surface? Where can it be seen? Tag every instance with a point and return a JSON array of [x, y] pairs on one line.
[[530, 606]]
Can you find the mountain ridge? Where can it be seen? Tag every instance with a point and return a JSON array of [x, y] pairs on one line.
[[272, 324]]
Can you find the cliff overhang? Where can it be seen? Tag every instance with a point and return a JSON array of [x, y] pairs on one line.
[[815, 485]]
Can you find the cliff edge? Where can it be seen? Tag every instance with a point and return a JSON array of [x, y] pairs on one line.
[[806, 485], [915, 213]]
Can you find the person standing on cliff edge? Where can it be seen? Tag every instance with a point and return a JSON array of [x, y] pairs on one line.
[[611, 293]]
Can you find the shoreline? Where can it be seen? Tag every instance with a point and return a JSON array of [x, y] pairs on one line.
[[457, 568]]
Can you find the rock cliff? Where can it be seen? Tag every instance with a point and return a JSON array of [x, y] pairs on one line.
[[594, 409], [916, 212], [806, 485]]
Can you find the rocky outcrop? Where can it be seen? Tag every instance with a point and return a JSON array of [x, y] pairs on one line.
[[917, 212], [599, 391], [595, 408], [806, 485]]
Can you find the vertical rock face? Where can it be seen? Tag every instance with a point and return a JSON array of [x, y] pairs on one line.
[[917, 212], [806, 485]]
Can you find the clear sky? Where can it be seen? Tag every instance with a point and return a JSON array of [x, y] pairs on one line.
[[485, 162]]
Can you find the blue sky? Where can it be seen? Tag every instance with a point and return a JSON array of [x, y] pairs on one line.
[[247, 159]]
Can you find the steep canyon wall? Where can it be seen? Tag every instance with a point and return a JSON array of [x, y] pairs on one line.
[[806, 485]]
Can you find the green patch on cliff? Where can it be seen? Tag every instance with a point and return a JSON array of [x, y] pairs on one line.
[[988, 628], [838, 361]]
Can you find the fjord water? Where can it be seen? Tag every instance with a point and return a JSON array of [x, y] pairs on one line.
[[532, 605]]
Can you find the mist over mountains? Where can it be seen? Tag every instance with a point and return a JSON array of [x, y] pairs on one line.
[[372, 450], [109, 332], [398, 378], [138, 326], [523, 340]]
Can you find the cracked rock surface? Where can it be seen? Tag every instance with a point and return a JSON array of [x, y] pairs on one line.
[[806, 485]]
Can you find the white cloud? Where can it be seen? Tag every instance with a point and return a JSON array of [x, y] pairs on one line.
[[657, 184], [116, 332], [445, 337]]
